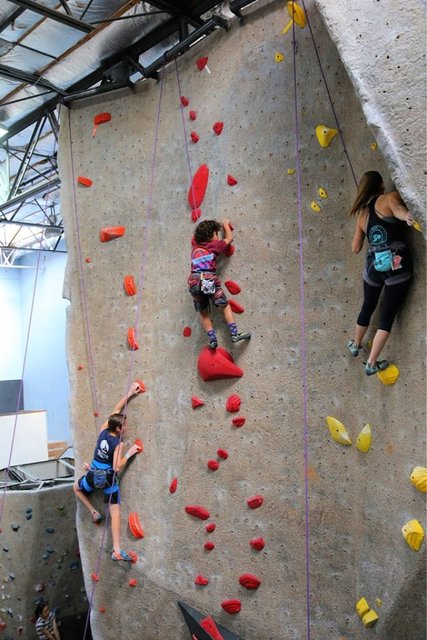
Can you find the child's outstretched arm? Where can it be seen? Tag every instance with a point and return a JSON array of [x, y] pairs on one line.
[[227, 232], [133, 391]]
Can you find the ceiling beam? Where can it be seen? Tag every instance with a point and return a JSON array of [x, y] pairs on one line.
[[74, 23], [10, 19], [31, 193], [29, 78]]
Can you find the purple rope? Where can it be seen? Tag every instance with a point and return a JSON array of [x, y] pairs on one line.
[[91, 367], [330, 98], [184, 129], [141, 281], [303, 336]]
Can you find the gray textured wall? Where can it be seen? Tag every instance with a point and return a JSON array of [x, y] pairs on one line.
[[357, 503]]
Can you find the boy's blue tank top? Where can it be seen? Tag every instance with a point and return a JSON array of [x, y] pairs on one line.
[[105, 447]]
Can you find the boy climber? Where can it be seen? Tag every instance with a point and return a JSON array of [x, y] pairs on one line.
[[108, 461], [203, 281]]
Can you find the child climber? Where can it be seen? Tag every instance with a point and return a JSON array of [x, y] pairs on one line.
[[204, 283], [108, 461]]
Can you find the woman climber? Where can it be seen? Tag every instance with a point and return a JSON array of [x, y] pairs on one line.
[[102, 473], [380, 216], [204, 283]]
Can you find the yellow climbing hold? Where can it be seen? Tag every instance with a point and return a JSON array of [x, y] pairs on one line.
[[291, 172], [364, 439], [297, 15], [279, 57], [325, 134], [362, 607], [338, 431], [370, 618], [416, 225], [413, 534], [379, 602], [389, 375], [419, 478], [374, 146], [315, 206], [322, 193]]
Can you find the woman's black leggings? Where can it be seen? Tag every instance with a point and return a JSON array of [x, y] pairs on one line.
[[394, 297]]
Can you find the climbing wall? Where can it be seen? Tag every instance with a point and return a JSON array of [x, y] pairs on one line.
[[316, 524], [39, 559]]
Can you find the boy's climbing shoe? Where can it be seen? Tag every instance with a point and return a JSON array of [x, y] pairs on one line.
[[353, 348], [121, 555], [380, 365], [241, 336], [213, 343]]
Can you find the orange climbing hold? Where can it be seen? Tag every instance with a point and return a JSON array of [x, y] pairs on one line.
[[141, 385], [198, 187], [131, 339], [135, 525], [129, 285], [217, 364], [236, 307], [233, 287], [86, 182], [110, 233], [100, 118]]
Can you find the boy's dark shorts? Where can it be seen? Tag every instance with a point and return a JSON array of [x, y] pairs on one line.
[[86, 486], [201, 300]]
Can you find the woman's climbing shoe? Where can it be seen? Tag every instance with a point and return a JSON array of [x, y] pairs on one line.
[[121, 555], [240, 336], [380, 365], [353, 348]]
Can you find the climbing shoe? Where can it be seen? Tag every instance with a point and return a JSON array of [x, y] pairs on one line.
[[121, 555], [380, 365], [240, 336], [353, 348], [213, 343]]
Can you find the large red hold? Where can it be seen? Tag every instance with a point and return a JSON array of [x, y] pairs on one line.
[[249, 581], [231, 606], [197, 511], [198, 186], [217, 364], [233, 403]]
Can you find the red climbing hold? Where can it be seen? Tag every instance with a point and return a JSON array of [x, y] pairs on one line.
[[213, 465], [102, 609], [194, 137], [95, 577], [131, 339], [209, 545], [209, 625], [135, 525], [210, 527], [173, 485], [86, 182], [88, 260], [233, 287], [80, 367], [129, 285], [195, 214], [196, 402], [197, 511], [109, 233], [255, 502], [231, 180], [257, 543], [249, 581], [218, 127], [193, 115], [233, 403], [202, 62], [184, 101], [139, 444], [222, 453], [201, 581], [133, 556], [231, 606], [141, 385], [100, 118], [236, 307], [230, 250], [186, 332], [133, 582], [239, 421], [197, 190], [217, 364]]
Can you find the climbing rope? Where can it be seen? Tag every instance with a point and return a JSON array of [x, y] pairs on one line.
[[303, 341], [184, 130]]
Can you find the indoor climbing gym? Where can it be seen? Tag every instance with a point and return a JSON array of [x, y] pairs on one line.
[[213, 327]]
